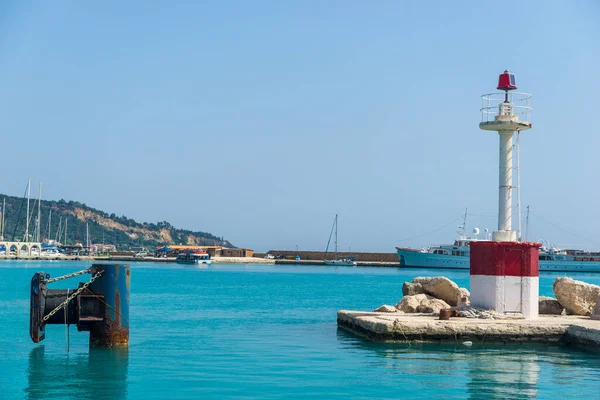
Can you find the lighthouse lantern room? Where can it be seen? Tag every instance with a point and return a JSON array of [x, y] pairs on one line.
[[506, 81]]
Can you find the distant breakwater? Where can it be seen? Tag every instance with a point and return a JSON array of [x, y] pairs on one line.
[[320, 255]]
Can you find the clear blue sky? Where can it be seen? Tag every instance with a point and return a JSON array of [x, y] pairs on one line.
[[258, 121]]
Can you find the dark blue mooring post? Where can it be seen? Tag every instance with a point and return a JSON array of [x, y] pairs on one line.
[[113, 285], [100, 306]]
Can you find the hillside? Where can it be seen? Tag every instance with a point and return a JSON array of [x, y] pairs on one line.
[[123, 232]]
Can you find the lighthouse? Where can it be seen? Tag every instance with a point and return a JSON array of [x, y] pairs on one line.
[[505, 118], [505, 272]]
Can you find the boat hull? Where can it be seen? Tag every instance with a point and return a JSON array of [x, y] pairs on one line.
[[194, 262], [417, 259], [340, 263]]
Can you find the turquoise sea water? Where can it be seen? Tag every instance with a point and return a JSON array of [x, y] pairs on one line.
[[246, 331]]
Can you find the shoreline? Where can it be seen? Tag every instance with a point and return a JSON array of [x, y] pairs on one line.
[[215, 260]]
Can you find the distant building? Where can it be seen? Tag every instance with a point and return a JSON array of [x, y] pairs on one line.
[[225, 252], [213, 251], [104, 248]]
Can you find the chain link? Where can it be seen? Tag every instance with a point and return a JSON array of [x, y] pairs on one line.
[[71, 275], [71, 297]]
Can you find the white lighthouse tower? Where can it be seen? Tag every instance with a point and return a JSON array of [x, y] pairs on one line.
[[505, 272], [505, 113]]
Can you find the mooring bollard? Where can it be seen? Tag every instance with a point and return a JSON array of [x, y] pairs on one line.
[[100, 306], [114, 286]]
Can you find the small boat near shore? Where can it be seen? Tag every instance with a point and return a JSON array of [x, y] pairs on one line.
[[196, 257]]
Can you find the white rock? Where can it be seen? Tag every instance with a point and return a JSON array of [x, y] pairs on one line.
[[386, 308], [432, 306], [410, 289], [441, 288], [576, 297], [421, 303], [422, 279], [410, 304]]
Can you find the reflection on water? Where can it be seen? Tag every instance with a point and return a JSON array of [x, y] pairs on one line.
[[97, 373], [511, 373], [491, 371]]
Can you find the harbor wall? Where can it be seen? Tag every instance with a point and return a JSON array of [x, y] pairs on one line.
[[320, 255]]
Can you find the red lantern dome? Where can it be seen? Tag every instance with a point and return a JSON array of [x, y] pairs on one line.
[[506, 81]]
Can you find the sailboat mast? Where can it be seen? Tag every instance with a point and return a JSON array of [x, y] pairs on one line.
[[463, 227], [48, 234], [66, 220], [26, 239], [39, 217], [59, 229], [3, 213], [336, 239], [326, 249]]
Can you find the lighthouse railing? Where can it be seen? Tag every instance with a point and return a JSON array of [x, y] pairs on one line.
[[490, 105]]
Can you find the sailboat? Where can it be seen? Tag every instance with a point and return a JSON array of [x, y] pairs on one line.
[[341, 262]]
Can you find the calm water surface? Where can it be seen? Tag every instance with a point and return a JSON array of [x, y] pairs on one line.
[[243, 331]]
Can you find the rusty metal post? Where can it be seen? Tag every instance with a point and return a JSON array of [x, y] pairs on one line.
[[111, 293]]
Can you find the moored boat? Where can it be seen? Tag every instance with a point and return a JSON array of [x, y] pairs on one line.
[[342, 262], [457, 256], [196, 257], [337, 261]]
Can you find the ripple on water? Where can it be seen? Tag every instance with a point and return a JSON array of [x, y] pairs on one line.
[[268, 332]]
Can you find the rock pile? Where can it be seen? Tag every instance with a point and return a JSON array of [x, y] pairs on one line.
[[432, 294], [429, 295], [441, 288], [421, 303]]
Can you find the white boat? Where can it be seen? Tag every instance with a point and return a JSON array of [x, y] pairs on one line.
[[457, 256], [340, 262], [196, 257], [50, 253]]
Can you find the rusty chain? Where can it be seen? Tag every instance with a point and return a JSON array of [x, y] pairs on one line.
[[75, 293], [67, 276]]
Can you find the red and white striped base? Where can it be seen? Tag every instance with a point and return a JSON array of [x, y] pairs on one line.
[[505, 277], [506, 294]]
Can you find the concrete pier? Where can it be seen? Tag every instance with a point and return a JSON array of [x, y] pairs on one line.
[[400, 327]]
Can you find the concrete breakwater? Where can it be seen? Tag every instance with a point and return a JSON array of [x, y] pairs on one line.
[[392, 327], [435, 309], [321, 262], [319, 256]]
